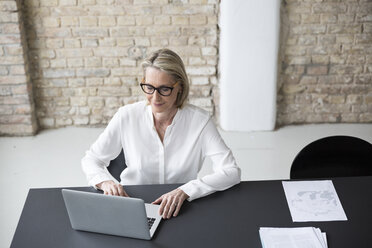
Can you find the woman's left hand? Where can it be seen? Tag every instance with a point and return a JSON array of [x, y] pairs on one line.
[[170, 203]]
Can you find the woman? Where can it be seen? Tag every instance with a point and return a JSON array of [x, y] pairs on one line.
[[164, 140]]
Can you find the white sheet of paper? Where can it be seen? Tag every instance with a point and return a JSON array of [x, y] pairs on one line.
[[313, 201], [299, 237], [321, 236], [325, 239]]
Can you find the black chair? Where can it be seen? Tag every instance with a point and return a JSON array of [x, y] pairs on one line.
[[117, 165], [334, 156]]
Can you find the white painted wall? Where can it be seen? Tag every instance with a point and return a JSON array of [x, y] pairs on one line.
[[249, 44]]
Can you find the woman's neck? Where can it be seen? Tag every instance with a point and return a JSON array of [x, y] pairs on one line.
[[164, 118], [162, 121]]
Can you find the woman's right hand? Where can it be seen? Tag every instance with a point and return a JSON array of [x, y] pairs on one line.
[[112, 188]]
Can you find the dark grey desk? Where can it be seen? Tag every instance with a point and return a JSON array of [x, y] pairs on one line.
[[241, 210]]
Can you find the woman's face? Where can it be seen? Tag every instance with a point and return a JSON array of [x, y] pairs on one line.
[[159, 103]]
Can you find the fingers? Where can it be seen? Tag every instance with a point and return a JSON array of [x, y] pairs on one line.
[[111, 188], [177, 209], [162, 206], [169, 208], [172, 207], [114, 190], [124, 193], [171, 203], [157, 201], [107, 190], [121, 191]]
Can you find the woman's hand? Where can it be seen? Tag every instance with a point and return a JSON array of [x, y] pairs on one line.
[[171, 203], [112, 188]]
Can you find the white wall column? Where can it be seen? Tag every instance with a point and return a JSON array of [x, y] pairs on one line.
[[249, 44]]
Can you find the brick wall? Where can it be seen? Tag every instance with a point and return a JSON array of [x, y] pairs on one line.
[[83, 58], [16, 98], [326, 67], [86, 54]]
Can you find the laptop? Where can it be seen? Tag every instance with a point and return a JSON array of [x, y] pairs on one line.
[[114, 215]]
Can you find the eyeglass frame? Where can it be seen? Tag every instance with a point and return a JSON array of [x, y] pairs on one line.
[[157, 88]]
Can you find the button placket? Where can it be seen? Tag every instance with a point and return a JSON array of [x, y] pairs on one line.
[[161, 148], [161, 156], [161, 164]]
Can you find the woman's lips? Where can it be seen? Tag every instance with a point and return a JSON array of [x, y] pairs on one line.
[[157, 104]]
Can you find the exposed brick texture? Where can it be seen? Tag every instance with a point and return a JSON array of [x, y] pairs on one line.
[[17, 112], [326, 56], [79, 60], [86, 55]]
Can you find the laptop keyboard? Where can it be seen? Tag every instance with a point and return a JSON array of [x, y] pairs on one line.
[[150, 221]]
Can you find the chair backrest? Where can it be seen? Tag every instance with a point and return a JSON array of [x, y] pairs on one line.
[[117, 165], [333, 156]]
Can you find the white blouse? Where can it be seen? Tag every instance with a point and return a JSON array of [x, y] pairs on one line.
[[190, 138]]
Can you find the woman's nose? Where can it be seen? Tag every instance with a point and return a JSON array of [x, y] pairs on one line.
[[157, 95]]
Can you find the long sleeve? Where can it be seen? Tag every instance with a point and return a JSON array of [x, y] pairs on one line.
[[226, 172], [190, 139], [104, 149]]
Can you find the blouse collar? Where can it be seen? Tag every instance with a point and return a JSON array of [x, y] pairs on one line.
[[151, 116]]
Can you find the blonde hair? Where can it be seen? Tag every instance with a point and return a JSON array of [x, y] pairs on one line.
[[168, 61]]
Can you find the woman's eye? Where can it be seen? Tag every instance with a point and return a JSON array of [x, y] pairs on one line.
[[164, 90]]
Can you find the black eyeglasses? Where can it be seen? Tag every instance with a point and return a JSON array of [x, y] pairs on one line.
[[162, 90]]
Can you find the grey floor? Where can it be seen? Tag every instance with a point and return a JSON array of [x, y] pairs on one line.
[[52, 159]]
